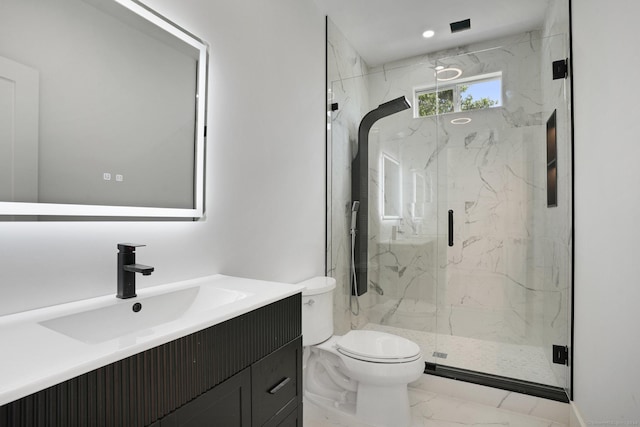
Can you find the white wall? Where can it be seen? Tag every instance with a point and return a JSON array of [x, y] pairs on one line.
[[607, 206], [265, 170]]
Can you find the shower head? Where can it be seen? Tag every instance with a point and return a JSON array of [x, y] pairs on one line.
[[393, 106], [355, 206], [385, 109]]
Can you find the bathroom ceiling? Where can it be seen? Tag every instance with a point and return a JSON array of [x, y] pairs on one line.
[[386, 30]]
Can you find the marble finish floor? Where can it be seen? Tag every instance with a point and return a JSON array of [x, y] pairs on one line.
[[434, 410], [522, 362]]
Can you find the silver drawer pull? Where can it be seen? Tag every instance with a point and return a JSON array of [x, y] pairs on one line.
[[281, 384]]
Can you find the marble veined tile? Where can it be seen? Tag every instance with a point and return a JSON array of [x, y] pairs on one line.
[[433, 410]]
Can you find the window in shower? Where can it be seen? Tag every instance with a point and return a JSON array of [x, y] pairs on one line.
[[473, 93], [430, 103]]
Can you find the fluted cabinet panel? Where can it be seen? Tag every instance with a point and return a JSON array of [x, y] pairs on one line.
[[143, 388]]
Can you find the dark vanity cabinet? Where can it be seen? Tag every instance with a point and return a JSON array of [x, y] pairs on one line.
[[245, 372], [276, 387], [224, 405], [271, 387]]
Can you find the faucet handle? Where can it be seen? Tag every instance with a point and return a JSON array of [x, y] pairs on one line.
[[128, 247]]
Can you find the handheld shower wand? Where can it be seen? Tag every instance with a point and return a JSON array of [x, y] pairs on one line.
[[354, 215], [354, 279]]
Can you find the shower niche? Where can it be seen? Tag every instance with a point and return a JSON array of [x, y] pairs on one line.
[[500, 292]]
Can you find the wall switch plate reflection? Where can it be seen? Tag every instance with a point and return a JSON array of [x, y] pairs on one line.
[[106, 176], [119, 178]]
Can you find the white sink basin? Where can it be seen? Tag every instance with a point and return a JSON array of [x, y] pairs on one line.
[[49, 345], [120, 319]]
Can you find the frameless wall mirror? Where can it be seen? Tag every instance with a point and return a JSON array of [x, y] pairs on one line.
[[102, 111]]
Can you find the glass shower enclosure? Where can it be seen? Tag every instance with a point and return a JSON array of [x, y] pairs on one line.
[[467, 254]]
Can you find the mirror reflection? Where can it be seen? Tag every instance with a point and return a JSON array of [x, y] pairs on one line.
[[98, 106], [391, 189]]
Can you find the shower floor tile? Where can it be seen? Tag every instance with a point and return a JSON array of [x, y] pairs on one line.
[[523, 362], [433, 410]]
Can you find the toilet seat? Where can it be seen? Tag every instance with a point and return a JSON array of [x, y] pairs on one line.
[[378, 347]]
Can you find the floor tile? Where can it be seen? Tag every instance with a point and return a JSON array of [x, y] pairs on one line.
[[433, 410]]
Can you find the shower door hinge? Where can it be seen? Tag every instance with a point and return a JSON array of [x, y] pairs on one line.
[[561, 354], [560, 69]]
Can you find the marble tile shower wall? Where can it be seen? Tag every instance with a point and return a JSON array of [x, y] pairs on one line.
[[491, 284], [348, 88], [483, 171]]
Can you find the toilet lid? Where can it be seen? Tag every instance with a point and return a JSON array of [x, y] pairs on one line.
[[377, 346]]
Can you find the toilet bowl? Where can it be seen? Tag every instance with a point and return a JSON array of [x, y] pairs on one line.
[[364, 373]]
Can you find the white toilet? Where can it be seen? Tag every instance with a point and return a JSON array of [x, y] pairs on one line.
[[364, 373]]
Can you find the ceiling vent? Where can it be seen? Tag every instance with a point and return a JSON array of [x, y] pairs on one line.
[[456, 27]]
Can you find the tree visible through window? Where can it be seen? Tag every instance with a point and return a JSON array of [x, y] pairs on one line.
[[436, 102], [470, 95]]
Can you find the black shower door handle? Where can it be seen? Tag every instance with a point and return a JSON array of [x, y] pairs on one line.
[[450, 227]]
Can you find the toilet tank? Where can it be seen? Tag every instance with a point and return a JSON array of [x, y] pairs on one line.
[[317, 310]]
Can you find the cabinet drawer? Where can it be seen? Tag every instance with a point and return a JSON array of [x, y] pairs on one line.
[[276, 382], [294, 419], [226, 405]]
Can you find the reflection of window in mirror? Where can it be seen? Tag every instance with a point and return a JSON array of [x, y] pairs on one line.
[[391, 189]]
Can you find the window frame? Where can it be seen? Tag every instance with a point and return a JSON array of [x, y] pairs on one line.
[[454, 84]]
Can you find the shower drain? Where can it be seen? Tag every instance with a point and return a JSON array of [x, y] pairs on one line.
[[440, 355]]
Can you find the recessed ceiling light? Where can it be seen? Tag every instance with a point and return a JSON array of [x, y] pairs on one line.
[[461, 121], [429, 33], [447, 74]]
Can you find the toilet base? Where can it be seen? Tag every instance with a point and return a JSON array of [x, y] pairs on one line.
[[383, 406], [378, 410], [376, 401]]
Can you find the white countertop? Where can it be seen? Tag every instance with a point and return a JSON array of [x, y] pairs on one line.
[[34, 357]]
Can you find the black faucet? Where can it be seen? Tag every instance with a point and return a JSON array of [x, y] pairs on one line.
[[127, 269]]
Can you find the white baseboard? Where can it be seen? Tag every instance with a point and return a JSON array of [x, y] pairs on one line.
[[575, 418]]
